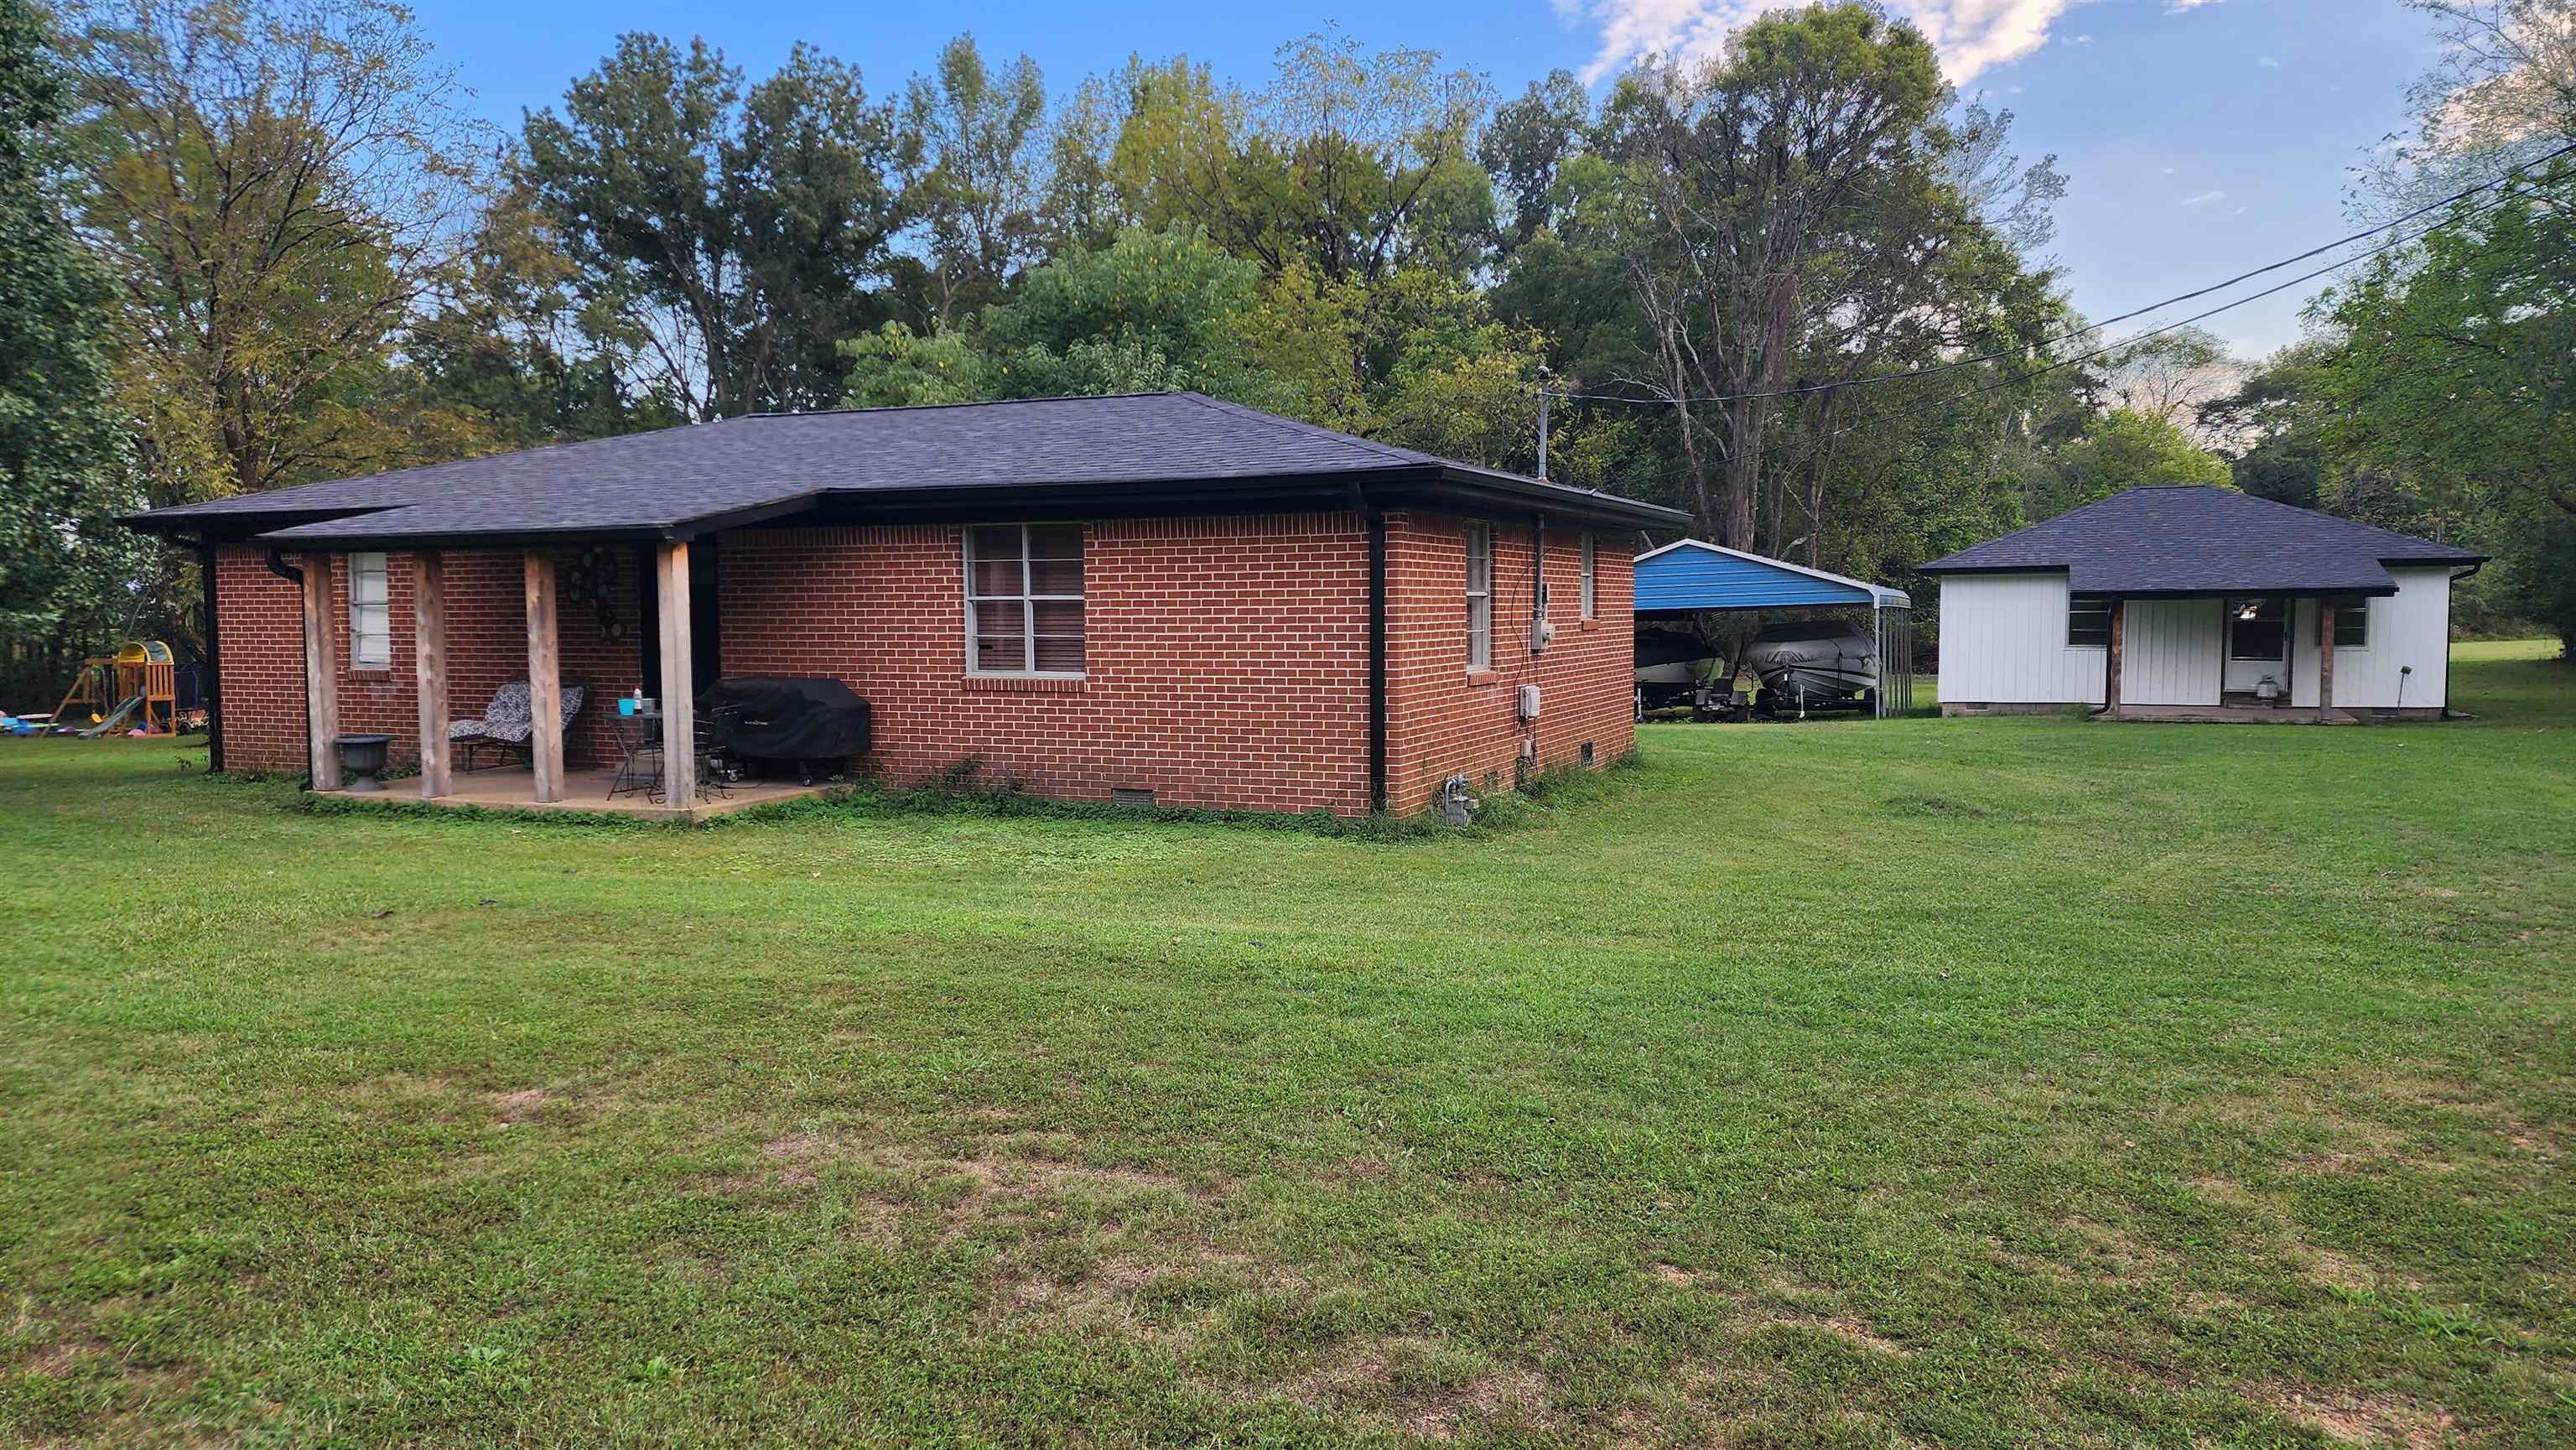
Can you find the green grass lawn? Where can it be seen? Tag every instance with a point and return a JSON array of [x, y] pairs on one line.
[[2011, 1082]]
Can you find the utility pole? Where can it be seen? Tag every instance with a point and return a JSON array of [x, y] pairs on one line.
[[1543, 395]]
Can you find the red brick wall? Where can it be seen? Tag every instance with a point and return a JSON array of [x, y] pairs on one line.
[[262, 646], [1444, 720], [1225, 659]]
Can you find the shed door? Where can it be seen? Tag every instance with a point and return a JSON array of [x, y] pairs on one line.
[[2258, 642]]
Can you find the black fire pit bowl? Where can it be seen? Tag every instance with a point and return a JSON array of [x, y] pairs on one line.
[[362, 758]]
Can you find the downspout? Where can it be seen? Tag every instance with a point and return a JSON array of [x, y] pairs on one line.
[[1374, 519], [2110, 647], [278, 566], [2446, 633], [210, 689]]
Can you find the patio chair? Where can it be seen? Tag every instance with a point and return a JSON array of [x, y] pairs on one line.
[[507, 727]]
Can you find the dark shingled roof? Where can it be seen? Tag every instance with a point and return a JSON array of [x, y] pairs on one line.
[[2201, 540], [681, 481]]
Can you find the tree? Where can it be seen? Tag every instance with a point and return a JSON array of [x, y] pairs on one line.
[[980, 191], [2124, 449], [510, 347], [1153, 311], [278, 186], [1798, 215], [1356, 164], [2271, 430], [61, 555], [2170, 374], [729, 240], [2455, 372]]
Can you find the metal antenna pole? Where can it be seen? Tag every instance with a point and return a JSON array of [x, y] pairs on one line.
[[1543, 395]]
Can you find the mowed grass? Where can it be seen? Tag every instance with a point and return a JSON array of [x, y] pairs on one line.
[[2008, 1082]]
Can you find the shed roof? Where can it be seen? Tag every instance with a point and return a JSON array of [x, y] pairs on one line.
[[680, 482], [1693, 576], [2196, 539]]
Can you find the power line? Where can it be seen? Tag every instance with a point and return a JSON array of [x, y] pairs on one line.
[[2091, 328], [2108, 348]]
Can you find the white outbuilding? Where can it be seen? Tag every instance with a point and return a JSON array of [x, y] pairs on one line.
[[2198, 603]]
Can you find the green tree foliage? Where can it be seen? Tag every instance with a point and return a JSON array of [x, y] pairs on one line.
[[2123, 449], [980, 192], [728, 239], [61, 480], [510, 347], [2271, 429], [2455, 373], [278, 187]]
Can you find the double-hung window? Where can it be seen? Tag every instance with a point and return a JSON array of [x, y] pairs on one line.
[[371, 625], [1591, 576], [1024, 599], [2088, 623], [1480, 596], [2352, 623]]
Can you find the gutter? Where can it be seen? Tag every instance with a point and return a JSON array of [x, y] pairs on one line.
[[278, 566]]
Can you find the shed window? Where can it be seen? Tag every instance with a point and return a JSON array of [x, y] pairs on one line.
[[371, 625], [1024, 608], [1591, 576], [1480, 596], [2088, 623], [2352, 624]]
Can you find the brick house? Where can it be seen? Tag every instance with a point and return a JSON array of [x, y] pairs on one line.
[[1156, 592]]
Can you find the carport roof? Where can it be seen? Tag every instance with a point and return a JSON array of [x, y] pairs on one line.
[[1693, 576], [2186, 540]]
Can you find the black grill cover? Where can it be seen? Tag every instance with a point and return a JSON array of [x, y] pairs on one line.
[[791, 717]]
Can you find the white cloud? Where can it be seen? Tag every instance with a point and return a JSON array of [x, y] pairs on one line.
[[2176, 7], [1973, 35], [2205, 198], [2168, 171], [2269, 62]]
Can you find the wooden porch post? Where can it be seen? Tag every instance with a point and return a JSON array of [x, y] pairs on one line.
[[679, 681], [429, 665], [2119, 648], [321, 674], [2325, 656], [545, 678]]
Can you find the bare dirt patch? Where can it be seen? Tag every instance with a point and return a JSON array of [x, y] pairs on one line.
[[519, 1107], [2353, 1419], [1674, 1277], [1854, 1331]]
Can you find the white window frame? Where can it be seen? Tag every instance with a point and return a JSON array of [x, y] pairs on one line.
[[1480, 597], [2357, 608], [371, 613], [1028, 600], [1591, 578]]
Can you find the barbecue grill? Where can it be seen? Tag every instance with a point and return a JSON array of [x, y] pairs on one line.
[[779, 723]]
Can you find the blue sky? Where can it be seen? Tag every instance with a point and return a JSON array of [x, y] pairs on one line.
[[2202, 137]]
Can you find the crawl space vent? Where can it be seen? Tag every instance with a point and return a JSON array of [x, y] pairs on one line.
[[1131, 797]]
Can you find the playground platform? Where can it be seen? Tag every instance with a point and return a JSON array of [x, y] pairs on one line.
[[513, 788]]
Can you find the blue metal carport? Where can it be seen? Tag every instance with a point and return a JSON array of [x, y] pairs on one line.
[[1694, 577]]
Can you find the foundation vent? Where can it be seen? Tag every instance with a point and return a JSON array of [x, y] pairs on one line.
[[1132, 798]]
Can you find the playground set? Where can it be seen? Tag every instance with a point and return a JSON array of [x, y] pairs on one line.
[[141, 680]]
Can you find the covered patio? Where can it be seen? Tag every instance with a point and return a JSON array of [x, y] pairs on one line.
[[544, 783]]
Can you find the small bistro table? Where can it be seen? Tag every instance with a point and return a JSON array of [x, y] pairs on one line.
[[638, 738]]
